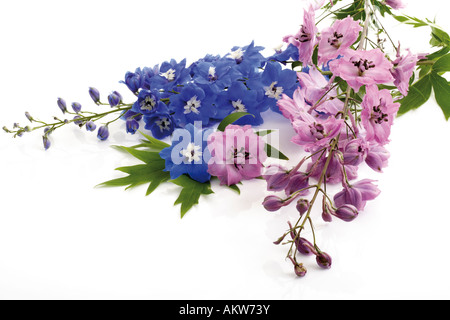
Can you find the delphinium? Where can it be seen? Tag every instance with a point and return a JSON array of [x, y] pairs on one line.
[[352, 85]]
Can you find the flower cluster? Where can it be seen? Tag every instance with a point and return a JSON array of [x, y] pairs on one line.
[[341, 104], [173, 94], [342, 118]]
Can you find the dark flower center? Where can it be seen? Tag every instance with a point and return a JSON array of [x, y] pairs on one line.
[[334, 41], [363, 65], [304, 36], [377, 115], [317, 130]]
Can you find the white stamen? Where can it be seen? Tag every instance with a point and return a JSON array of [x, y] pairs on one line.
[[273, 91], [163, 124], [192, 152], [212, 72], [148, 103], [169, 75], [238, 106], [192, 106], [237, 54]]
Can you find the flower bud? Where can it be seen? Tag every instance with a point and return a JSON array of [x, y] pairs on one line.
[[46, 142], [95, 95], [113, 100], [273, 203], [324, 260], [78, 122], [355, 152], [346, 212], [76, 107], [300, 270], [305, 247], [91, 126], [297, 182], [29, 117], [302, 206], [132, 126], [327, 211], [278, 181], [62, 105], [103, 133]]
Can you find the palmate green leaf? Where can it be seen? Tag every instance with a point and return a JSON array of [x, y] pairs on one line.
[[442, 93], [419, 93], [190, 192]]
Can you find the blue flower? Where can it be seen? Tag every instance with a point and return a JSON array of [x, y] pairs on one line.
[[247, 58], [275, 82], [160, 123], [238, 98], [146, 103], [170, 75], [188, 154], [192, 104], [103, 133], [215, 76], [132, 125], [282, 56], [134, 80]]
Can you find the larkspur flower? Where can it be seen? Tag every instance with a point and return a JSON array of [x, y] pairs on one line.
[[377, 157], [292, 108], [290, 53], [335, 40], [361, 67], [238, 98], [215, 76], [403, 69], [147, 102], [313, 133], [378, 114], [247, 58], [305, 39], [188, 154], [134, 80], [357, 194], [355, 151], [160, 123], [170, 75], [273, 83], [191, 105], [318, 94], [236, 154]]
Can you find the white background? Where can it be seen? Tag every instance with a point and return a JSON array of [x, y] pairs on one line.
[[61, 238]]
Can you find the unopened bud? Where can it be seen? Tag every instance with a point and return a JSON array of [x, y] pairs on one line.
[[103, 133], [132, 126], [302, 206], [273, 203], [62, 105], [76, 107], [346, 212], [305, 247], [324, 260], [95, 95], [29, 117], [91, 126], [113, 100], [300, 270], [46, 142]]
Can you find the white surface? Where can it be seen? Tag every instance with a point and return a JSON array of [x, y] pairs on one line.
[[61, 238]]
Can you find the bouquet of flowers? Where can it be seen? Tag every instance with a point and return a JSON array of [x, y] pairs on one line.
[[339, 87]]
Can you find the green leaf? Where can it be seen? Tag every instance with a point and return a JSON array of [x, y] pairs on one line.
[[143, 155], [439, 38], [439, 53], [419, 93], [441, 93], [191, 192], [274, 153], [151, 143], [442, 64], [263, 133], [232, 118]]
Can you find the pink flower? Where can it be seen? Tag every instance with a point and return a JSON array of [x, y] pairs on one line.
[[314, 87], [336, 39], [362, 67], [305, 39], [357, 194], [236, 154], [378, 114], [395, 4], [403, 70], [377, 157], [314, 133], [292, 108]]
